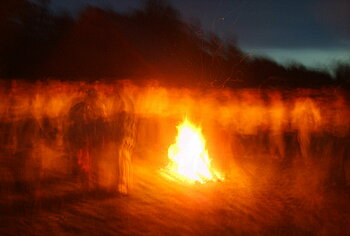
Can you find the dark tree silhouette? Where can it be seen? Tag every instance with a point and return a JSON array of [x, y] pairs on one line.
[[151, 42]]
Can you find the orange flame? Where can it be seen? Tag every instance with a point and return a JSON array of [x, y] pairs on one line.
[[189, 159]]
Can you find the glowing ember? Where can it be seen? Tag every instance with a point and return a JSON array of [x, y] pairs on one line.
[[189, 159]]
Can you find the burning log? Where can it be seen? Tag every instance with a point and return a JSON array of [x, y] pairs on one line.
[[189, 158]]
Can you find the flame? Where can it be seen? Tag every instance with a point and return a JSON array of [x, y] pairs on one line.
[[189, 159]]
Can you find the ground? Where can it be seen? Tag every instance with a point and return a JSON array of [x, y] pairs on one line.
[[157, 205]]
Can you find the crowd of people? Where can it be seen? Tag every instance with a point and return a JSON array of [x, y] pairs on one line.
[[62, 131]]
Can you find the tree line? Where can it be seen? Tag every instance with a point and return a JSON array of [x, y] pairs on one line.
[[152, 42]]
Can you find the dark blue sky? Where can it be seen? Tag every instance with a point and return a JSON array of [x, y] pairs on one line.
[[313, 32]]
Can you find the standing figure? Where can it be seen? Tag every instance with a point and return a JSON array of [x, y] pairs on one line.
[[124, 128], [306, 120], [85, 136], [125, 152]]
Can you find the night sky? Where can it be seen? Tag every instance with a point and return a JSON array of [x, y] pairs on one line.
[[313, 32]]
